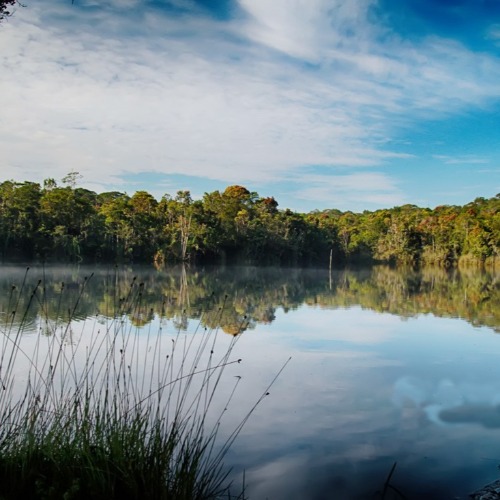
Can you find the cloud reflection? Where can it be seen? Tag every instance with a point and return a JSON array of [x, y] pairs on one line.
[[449, 403]]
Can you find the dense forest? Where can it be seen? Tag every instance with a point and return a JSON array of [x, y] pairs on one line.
[[69, 223]]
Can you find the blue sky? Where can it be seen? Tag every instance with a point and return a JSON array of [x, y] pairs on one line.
[[349, 104]]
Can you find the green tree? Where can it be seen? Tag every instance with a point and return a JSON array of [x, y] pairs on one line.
[[440, 240], [402, 241], [228, 214], [113, 207], [68, 222], [182, 227], [19, 218], [141, 221]]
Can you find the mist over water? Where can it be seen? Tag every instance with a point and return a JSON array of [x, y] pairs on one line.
[[387, 366]]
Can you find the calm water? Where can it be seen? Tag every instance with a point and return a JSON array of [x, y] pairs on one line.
[[387, 366]]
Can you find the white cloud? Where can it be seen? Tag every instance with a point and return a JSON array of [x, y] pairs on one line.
[[192, 96], [493, 33], [456, 160], [351, 189], [307, 29]]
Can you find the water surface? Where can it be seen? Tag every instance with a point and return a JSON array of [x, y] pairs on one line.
[[388, 366]]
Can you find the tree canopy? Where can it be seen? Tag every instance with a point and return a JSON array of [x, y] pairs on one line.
[[67, 222]]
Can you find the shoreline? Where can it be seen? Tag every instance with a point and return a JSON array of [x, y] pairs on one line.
[[489, 492]]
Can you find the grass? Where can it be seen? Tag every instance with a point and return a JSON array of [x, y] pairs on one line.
[[115, 412]]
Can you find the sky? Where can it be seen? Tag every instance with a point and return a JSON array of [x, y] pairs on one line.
[[348, 104]]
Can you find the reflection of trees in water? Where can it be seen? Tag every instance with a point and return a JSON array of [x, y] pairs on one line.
[[236, 299]]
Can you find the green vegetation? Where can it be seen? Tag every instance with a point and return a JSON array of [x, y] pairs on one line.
[[110, 413], [74, 224]]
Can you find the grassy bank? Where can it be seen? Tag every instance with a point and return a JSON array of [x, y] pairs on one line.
[[113, 412]]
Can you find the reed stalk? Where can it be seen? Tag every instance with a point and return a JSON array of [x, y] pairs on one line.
[[115, 412]]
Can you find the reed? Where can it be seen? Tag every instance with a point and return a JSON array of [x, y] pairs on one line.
[[112, 412]]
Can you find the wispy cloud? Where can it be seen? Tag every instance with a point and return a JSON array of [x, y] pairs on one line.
[[357, 189], [283, 85], [457, 160], [493, 33]]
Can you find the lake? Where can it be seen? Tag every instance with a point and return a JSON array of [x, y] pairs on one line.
[[388, 366]]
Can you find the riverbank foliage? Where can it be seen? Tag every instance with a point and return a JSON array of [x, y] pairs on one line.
[[66, 222]]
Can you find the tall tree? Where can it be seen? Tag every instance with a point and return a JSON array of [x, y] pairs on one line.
[[19, 218], [113, 207], [67, 216], [142, 220]]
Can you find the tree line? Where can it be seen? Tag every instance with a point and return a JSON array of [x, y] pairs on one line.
[[65, 222]]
